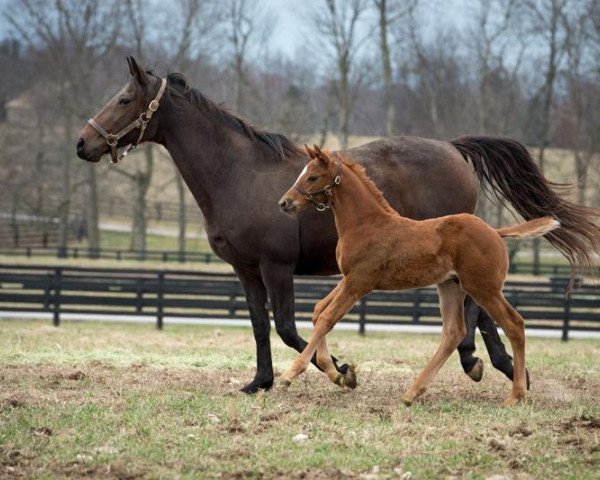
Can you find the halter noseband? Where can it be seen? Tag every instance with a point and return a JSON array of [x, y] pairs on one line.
[[327, 190], [141, 122]]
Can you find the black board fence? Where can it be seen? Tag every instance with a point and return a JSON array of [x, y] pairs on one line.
[[526, 268], [165, 293]]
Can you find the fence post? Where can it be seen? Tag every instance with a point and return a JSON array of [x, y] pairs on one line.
[[417, 306], [56, 296], [159, 300], [139, 296], [232, 297], [567, 319], [362, 319]]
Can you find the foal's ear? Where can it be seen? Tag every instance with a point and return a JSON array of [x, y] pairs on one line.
[[323, 157], [137, 72], [310, 152]]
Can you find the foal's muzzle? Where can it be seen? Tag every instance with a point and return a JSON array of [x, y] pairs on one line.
[[287, 205]]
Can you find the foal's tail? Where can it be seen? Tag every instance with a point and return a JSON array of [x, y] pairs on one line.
[[506, 166], [532, 228]]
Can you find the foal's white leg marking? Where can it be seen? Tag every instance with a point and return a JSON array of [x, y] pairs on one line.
[[302, 173]]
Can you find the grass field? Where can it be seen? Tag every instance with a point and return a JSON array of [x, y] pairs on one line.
[[126, 401]]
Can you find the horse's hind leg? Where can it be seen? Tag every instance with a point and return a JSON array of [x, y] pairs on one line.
[[472, 365], [453, 331]]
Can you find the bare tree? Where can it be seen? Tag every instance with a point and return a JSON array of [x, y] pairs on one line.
[[71, 38], [247, 28], [546, 17], [389, 12], [338, 24]]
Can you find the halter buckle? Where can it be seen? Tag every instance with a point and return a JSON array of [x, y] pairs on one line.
[[112, 140], [153, 107], [337, 180], [321, 207]]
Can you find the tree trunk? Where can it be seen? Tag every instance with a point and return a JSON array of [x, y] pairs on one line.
[[390, 117], [63, 211], [181, 215], [92, 216], [142, 182], [344, 105]]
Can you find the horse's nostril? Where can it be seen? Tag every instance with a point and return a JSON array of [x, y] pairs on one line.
[[80, 144], [283, 203]]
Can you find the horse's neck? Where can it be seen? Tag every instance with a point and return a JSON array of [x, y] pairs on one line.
[[209, 157], [355, 205]]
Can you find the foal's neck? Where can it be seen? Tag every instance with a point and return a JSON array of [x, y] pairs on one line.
[[357, 203]]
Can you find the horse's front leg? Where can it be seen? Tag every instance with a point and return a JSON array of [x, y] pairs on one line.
[[279, 281], [256, 298]]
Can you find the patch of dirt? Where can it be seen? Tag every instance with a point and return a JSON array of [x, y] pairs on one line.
[[77, 375], [584, 422]]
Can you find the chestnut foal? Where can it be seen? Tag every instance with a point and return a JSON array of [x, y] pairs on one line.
[[380, 249]]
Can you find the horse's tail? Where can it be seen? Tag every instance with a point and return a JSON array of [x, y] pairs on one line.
[[532, 228], [508, 168]]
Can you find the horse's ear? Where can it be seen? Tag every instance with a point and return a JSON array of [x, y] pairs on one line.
[[137, 72], [320, 155], [310, 152]]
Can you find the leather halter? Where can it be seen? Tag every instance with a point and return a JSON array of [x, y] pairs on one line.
[[327, 190], [141, 122]]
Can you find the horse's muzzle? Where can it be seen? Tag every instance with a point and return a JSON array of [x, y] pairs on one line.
[[84, 154]]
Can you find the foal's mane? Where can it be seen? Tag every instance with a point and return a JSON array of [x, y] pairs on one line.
[[281, 145], [361, 173]]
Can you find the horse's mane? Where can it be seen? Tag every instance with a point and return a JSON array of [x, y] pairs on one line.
[[361, 173], [281, 145]]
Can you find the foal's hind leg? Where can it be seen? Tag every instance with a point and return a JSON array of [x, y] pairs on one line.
[[453, 331], [512, 323]]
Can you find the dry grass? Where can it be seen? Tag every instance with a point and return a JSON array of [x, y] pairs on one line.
[[125, 401]]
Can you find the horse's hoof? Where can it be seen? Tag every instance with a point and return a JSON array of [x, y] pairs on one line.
[[407, 400], [476, 373], [255, 385], [527, 378]]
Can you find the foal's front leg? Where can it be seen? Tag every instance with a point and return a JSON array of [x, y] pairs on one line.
[[340, 303], [324, 360]]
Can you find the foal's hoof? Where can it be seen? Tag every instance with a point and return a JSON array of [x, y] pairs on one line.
[[511, 401], [348, 379], [407, 400], [476, 373], [282, 384], [527, 378]]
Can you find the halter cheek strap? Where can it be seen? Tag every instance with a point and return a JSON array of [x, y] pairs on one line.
[[327, 190], [112, 139]]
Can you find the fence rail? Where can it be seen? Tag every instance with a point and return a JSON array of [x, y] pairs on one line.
[[209, 257], [113, 254], [160, 294]]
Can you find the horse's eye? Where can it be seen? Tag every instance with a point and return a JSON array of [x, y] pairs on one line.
[[124, 101], [312, 179]]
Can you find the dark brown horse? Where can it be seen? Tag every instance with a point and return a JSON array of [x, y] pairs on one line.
[[233, 168]]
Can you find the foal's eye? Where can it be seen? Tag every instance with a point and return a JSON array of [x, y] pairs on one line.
[[124, 101], [312, 179]]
